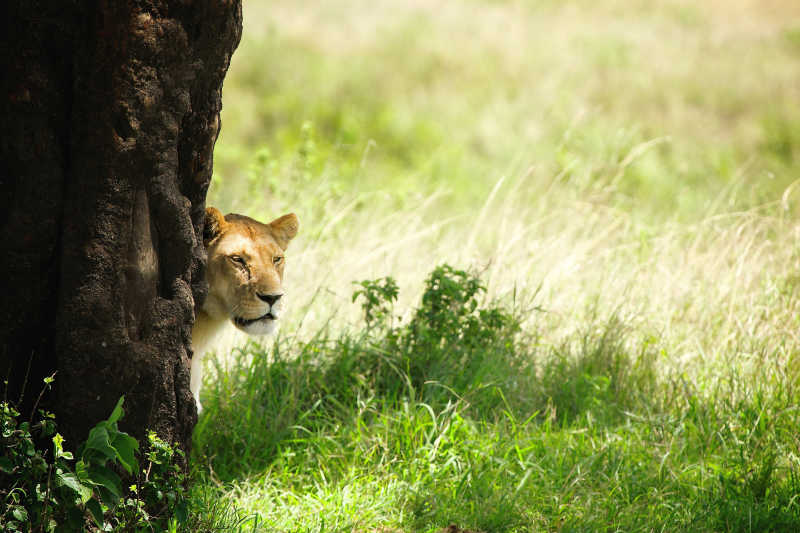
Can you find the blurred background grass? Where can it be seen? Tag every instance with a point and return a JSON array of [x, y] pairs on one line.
[[663, 109], [639, 152], [622, 162]]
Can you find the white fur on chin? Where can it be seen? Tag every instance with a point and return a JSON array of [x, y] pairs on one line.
[[260, 327]]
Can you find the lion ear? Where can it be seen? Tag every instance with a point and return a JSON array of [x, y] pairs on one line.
[[214, 224], [285, 228]]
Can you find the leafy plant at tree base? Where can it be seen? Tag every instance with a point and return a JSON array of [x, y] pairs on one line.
[[106, 444], [158, 501], [42, 490]]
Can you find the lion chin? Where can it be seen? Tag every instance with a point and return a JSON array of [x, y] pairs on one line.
[[246, 261], [263, 325]]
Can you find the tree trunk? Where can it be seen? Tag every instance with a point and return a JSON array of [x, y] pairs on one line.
[[108, 120]]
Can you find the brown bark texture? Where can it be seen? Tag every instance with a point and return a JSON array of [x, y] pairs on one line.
[[109, 111]]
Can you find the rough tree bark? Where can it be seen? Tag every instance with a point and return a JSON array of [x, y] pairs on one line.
[[108, 119]]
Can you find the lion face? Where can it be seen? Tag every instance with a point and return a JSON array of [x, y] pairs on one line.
[[245, 269]]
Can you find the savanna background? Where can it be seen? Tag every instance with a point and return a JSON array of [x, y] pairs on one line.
[[615, 346]]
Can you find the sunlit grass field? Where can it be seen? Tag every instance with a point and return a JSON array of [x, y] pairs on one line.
[[620, 175]]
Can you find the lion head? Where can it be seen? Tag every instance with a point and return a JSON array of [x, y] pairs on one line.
[[245, 269]]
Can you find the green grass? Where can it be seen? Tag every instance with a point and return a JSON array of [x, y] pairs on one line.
[[448, 419], [622, 177]]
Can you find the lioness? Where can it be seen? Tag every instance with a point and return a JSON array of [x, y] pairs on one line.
[[245, 280]]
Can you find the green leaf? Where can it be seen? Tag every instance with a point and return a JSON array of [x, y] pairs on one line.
[[6, 465], [20, 514], [41, 492], [117, 413], [104, 477], [182, 512], [48, 427], [58, 441], [68, 479], [107, 497], [96, 511], [125, 447], [98, 441], [82, 470]]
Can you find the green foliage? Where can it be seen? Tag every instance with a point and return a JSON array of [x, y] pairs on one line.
[[158, 500], [48, 490], [451, 340], [596, 374], [39, 488], [105, 447], [450, 335], [379, 297]]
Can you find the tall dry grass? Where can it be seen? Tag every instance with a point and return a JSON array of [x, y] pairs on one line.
[[619, 157]]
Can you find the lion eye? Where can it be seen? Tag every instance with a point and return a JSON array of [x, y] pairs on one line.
[[238, 259], [277, 259]]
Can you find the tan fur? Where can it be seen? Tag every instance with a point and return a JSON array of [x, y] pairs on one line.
[[245, 276]]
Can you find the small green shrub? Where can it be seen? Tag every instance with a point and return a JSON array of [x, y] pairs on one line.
[[158, 500], [39, 488], [47, 489], [379, 297], [453, 339]]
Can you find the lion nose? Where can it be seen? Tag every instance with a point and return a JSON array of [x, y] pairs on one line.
[[270, 298]]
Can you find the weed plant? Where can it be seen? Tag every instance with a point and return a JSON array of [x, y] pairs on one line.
[[46, 489]]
